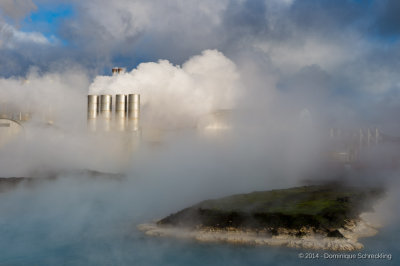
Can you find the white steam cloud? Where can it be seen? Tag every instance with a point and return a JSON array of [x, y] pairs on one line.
[[288, 83], [171, 97], [60, 95], [175, 95]]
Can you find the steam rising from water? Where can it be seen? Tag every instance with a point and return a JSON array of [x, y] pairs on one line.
[[285, 81], [272, 145]]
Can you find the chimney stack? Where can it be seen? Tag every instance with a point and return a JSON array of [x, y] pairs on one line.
[[120, 111], [134, 111], [117, 70], [105, 111], [92, 111]]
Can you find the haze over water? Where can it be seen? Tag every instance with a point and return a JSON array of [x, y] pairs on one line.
[[75, 221], [284, 72]]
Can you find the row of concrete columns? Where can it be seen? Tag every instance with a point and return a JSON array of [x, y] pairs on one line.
[[125, 117]]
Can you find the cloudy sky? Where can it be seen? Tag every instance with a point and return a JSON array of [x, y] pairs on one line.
[[338, 57]]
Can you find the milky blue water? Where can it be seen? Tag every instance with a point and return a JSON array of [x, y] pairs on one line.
[[134, 249], [81, 221]]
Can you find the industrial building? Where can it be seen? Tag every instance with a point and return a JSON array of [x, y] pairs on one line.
[[348, 146], [120, 112], [123, 116], [9, 130]]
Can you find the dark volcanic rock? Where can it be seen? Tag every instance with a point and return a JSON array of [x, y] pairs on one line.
[[334, 233]]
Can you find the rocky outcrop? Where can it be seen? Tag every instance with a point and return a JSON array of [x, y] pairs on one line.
[[312, 217], [346, 239]]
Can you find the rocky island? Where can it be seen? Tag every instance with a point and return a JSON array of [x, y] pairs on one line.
[[314, 217]]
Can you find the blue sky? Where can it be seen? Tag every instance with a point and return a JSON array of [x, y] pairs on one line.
[[84, 26], [326, 53], [349, 47], [376, 21], [47, 18]]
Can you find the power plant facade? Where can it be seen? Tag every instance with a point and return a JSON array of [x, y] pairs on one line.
[[120, 112], [103, 115]]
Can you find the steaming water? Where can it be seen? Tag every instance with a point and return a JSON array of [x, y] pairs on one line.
[[83, 221]]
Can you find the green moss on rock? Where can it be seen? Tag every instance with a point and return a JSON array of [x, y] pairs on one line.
[[320, 207]]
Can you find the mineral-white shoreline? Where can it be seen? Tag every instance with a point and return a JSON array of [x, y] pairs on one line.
[[352, 232]]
